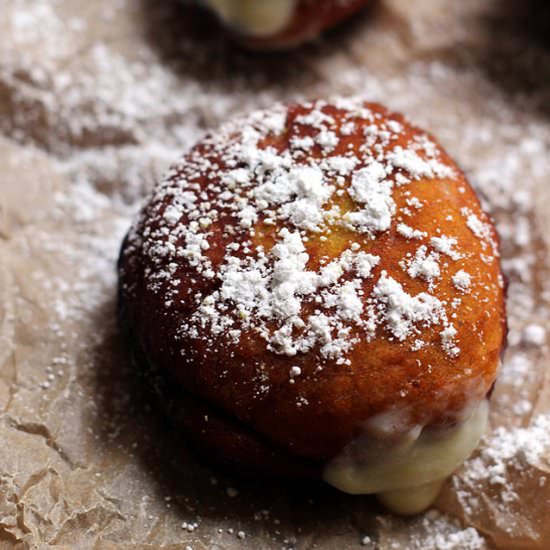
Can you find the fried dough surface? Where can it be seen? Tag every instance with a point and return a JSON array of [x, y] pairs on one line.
[[310, 272]]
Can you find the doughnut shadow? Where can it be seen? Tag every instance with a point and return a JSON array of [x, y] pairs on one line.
[[208, 428], [131, 422]]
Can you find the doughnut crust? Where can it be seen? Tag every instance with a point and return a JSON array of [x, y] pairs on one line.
[[304, 271], [305, 20]]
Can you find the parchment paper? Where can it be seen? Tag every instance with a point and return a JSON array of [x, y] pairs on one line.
[[96, 99]]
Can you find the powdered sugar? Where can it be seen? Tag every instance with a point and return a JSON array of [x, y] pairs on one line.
[[370, 189], [481, 230], [446, 245], [424, 264], [404, 313], [432, 531], [271, 291], [534, 335], [508, 458], [462, 280], [263, 293], [410, 233], [417, 167], [448, 340], [309, 193]]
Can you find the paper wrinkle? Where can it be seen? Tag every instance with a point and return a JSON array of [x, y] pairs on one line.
[[40, 430], [86, 459], [7, 357]]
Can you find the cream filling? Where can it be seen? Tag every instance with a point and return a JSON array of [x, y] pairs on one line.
[[254, 17], [407, 478]]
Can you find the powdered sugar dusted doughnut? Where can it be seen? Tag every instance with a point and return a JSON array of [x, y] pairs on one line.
[[317, 291], [281, 23]]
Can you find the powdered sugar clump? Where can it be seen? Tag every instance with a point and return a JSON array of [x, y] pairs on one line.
[[462, 280], [404, 313], [410, 233], [424, 264], [446, 245], [370, 188]]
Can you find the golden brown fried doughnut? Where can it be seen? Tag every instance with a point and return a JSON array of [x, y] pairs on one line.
[[317, 291], [273, 24]]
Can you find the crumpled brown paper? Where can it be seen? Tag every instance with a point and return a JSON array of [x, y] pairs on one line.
[[96, 98]]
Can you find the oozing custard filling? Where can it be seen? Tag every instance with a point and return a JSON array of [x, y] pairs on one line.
[[257, 18], [408, 476]]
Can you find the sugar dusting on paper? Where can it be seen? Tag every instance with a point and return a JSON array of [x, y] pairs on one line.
[[102, 126]]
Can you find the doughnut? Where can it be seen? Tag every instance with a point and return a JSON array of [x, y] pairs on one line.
[[273, 24], [314, 292]]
